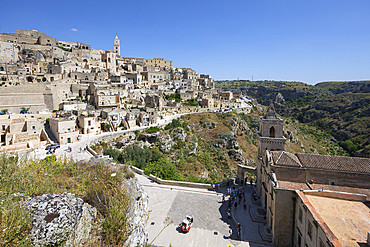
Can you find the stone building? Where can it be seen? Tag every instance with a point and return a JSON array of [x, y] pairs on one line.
[[158, 62], [88, 124], [28, 37], [64, 130], [8, 54], [19, 132], [109, 57], [282, 176]]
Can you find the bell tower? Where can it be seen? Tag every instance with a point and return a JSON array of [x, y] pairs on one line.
[[271, 135], [117, 48]]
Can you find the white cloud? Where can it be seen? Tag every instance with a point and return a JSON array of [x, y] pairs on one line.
[[74, 29]]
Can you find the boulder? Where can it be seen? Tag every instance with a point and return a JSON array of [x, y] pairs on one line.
[[58, 218]]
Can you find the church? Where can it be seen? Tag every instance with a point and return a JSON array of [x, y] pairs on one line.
[[310, 199]]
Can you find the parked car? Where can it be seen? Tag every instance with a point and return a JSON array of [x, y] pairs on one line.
[[52, 146]]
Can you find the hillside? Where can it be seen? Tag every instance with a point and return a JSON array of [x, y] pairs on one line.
[[206, 147], [341, 109]]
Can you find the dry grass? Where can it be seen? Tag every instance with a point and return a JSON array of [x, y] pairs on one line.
[[22, 180]]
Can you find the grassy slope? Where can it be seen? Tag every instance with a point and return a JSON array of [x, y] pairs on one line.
[[341, 109], [31, 178]]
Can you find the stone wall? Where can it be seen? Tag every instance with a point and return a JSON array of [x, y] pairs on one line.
[[34, 96], [283, 217], [317, 176]]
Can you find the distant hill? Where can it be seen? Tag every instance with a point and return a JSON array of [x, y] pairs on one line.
[[342, 109]]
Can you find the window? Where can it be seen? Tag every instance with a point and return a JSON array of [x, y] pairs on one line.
[[3, 127], [322, 243], [299, 242], [33, 127], [300, 214], [309, 231], [272, 132]]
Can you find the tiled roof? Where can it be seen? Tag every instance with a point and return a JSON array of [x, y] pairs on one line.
[[283, 158], [292, 185], [346, 189], [336, 163]]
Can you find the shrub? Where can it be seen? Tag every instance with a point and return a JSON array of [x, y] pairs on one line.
[[163, 169], [153, 130], [177, 123]]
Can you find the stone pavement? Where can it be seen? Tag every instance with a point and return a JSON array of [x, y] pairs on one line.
[[168, 206]]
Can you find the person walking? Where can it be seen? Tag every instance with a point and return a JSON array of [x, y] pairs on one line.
[[230, 232], [238, 229]]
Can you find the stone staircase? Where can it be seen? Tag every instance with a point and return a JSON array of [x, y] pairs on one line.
[[265, 233], [257, 215]]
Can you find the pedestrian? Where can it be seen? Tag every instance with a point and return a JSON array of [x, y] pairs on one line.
[[223, 197], [230, 232], [245, 204], [235, 204], [80, 149], [213, 186]]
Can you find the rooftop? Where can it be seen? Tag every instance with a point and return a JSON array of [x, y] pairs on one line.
[[346, 189], [285, 159], [325, 162], [348, 220], [338, 163], [292, 185]]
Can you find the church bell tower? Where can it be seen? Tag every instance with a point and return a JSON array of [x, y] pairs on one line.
[[117, 48], [271, 134]]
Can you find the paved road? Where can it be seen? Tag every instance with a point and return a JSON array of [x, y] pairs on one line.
[[170, 204], [76, 155]]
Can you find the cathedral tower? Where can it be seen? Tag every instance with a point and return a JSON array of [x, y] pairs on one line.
[[117, 48]]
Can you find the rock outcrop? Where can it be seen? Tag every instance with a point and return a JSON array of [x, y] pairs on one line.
[[139, 213], [59, 218]]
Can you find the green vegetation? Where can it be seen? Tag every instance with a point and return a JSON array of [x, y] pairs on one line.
[[136, 155], [191, 102], [175, 124], [20, 180], [340, 109], [140, 108], [65, 49], [152, 130], [175, 96]]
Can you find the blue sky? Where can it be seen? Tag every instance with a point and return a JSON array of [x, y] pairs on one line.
[[301, 40]]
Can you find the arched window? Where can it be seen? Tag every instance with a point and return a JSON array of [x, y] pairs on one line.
[[272, 132]]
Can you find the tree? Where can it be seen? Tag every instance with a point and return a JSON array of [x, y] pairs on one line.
[[349, 146]]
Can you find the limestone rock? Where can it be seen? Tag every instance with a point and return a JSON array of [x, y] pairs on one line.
[[56, 218], [138, 214], [236, 154]]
